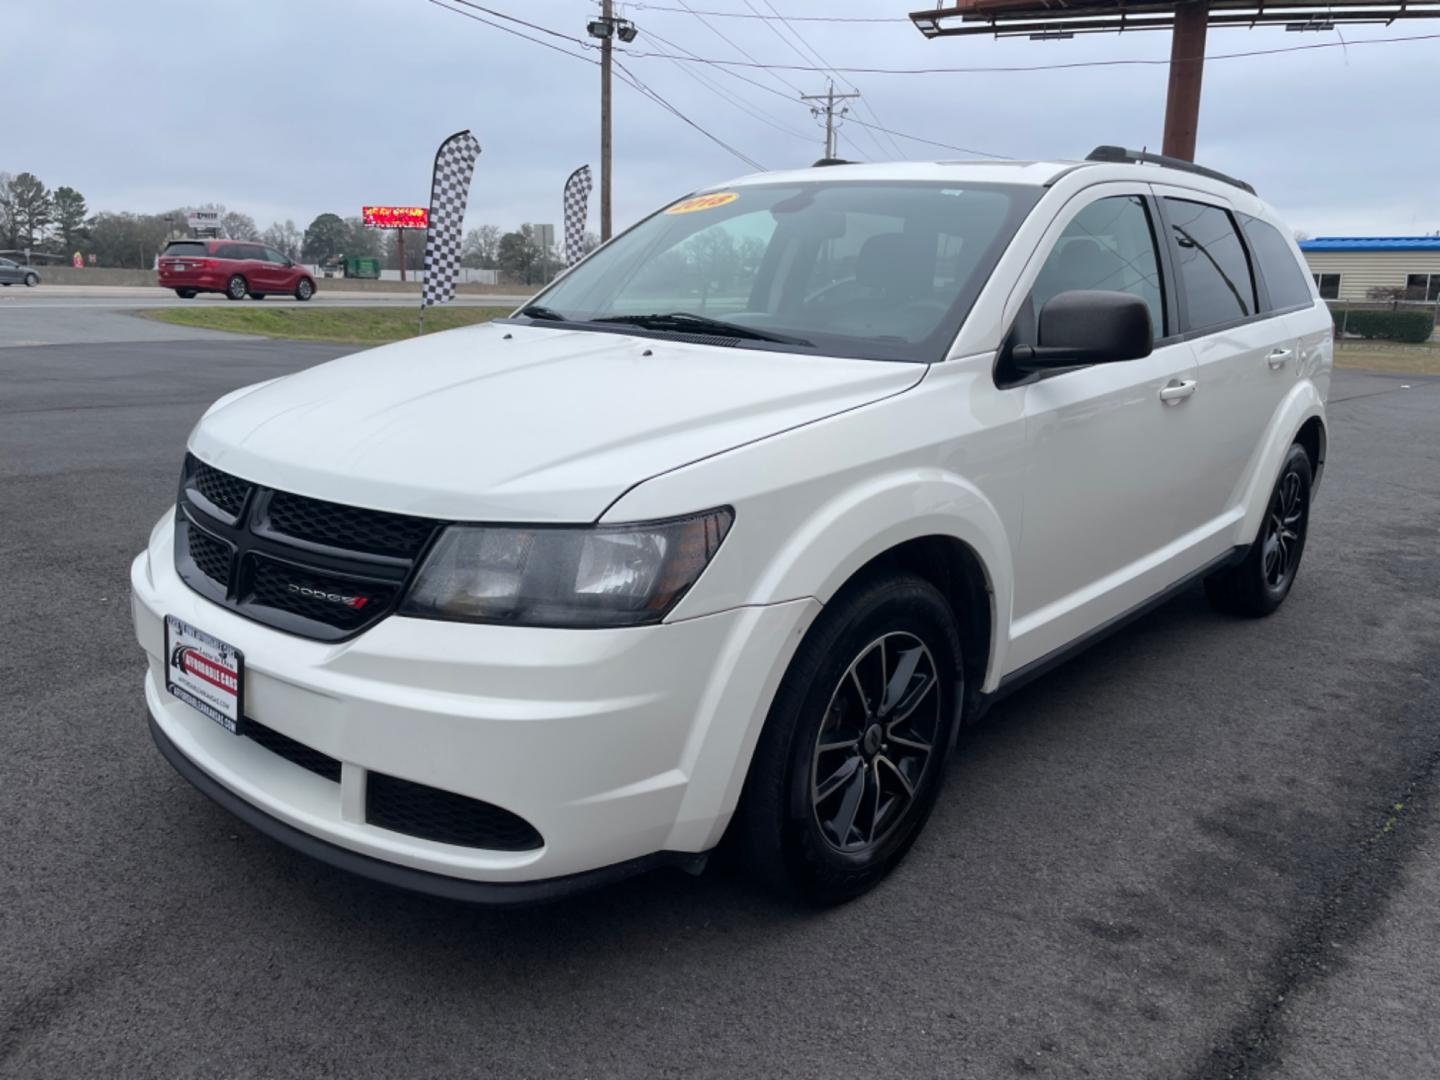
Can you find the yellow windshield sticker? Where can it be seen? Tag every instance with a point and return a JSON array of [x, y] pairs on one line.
[[703, 202]]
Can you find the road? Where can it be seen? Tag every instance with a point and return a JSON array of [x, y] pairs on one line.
[[1206, 848]]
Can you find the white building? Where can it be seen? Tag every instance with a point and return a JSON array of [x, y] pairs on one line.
[[1348, 267]]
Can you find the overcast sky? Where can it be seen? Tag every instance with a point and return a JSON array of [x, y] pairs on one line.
[[288, 108]]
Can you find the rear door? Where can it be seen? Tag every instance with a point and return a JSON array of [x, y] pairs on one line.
[[1244, 356], [1103, 447]]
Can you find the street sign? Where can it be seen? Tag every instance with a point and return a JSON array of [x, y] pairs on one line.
[[395, 217]]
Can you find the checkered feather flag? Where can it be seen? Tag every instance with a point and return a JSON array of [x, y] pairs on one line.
[[449, 192], [577, 200]]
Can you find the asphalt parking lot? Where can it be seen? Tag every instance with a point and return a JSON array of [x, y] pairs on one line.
[[1206, 848]]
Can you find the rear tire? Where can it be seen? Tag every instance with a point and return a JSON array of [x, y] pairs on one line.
[[1258, 585], [235, 288], [304, 290], [185, 294], [31, 280], [853, 753]]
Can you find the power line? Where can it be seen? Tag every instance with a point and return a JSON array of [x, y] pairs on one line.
[[1012, 68], [933, 142], [726, 95], [792, 18], [768, 68], [627, 77], [634, 81], [820, 59]]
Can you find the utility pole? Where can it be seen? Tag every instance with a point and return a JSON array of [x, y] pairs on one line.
[[607, 28], [606, 15], [829, 98]]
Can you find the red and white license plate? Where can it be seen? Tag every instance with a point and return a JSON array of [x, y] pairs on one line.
[[205, 673]]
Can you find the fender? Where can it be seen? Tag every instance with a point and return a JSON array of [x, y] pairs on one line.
[[863, 522], [1299, 405]]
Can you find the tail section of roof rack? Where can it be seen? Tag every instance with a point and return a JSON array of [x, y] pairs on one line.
[[1136, 157]]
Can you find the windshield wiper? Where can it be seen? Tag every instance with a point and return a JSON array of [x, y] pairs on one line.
[[539, 311], [686, 322]]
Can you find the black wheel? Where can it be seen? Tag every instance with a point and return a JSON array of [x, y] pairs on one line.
[[1259, 584], [257, 296], [305, 289], [235, 288], [32, 280], [854, 748], [185, 294]]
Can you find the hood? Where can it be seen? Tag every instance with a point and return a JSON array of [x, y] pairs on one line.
[[503, 422]]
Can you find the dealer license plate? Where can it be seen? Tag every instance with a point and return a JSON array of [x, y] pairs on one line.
[[204, 672]]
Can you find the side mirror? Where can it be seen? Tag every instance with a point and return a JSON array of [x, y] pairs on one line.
[[1088, 326]]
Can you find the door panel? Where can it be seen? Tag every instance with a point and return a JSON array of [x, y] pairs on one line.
[[1103, 449], [1244, 369]]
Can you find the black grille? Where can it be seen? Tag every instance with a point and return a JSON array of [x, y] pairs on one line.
[[225, 491], [210, 556], [309, 567], [292, 751], [349, 527], [336, 602], [431, 814]]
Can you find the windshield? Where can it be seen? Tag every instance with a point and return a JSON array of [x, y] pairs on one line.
[[885, 270]]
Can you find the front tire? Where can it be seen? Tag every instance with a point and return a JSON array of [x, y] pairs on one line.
[[1258, 585], [31, 280], [235, 288], [853, 753], [304, 290]]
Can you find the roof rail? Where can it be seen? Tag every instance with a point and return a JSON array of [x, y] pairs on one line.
[[1137, 157]]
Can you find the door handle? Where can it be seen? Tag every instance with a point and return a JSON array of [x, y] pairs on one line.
[[1177, 390], [1276, 358]]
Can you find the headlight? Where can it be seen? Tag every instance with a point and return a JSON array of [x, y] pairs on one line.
[[608, 575]]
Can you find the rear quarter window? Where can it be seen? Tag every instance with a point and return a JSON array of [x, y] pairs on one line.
[[1284, 280]]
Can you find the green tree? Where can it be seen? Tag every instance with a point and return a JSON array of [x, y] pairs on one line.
[[7, 212], [324, 238], [359, 240], [70, 214], [30, 209], [519, 254], [128, 240]]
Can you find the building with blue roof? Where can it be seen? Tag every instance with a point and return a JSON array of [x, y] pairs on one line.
[[1348, 267]]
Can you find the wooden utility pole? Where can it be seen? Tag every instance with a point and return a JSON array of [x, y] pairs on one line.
[[606, 16], [400, 244], [829, 98], [1187, 65]]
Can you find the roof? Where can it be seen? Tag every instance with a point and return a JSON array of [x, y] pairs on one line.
[[1371, 243]]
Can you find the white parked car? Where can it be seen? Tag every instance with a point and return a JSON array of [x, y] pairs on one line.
[[735, 525]]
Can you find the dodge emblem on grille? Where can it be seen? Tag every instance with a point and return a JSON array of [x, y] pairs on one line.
[[349, 601]]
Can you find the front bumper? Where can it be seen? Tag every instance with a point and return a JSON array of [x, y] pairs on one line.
[[616, 745]]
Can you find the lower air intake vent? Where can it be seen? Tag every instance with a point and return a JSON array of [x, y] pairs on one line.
[[295, 752], [431, 814]]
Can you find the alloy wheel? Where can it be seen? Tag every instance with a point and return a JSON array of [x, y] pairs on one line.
[[1283, 530], [875, 743]]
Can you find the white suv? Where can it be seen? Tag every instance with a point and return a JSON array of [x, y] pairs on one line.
[[735, 525]]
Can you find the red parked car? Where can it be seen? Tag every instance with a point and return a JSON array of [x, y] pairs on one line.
[[237, 268]]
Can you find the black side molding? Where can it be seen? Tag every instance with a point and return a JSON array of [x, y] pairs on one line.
[[485, 893], [1039, 666]]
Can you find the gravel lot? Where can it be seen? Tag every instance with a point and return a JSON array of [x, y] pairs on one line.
[[1204, 849]]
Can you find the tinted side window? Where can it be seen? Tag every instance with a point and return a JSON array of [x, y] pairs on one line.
[[1214, 271], [1108, 245], [1284, 280]]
